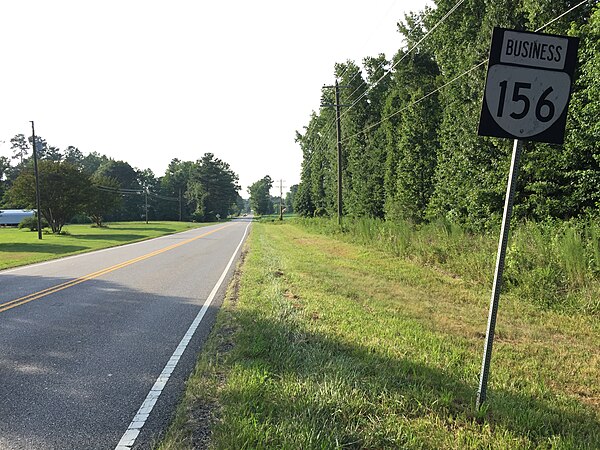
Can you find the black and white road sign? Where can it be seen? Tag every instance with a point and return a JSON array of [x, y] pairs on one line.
[[528, 86]]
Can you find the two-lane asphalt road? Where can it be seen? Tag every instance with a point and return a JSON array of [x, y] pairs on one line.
[[94, 349]]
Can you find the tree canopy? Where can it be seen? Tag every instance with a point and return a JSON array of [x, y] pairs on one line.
[[103, 189], [212, 187], [260, 199], [410, 144], [64, 191]]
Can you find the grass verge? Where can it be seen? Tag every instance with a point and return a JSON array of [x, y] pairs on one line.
[[554, 265], [326, 344], [21, 247]]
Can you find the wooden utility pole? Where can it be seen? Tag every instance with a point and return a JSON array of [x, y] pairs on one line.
[[146, 201], [180, 204], [37, 181], [339, 151], [337, 105], [280, 199]]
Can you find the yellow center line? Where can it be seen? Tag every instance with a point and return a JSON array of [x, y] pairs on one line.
[[59, 287]]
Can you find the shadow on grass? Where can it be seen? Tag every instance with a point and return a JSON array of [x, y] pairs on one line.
[[56, 249], [360, 398]]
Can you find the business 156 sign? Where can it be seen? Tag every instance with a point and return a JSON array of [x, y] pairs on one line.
[[528, 86]]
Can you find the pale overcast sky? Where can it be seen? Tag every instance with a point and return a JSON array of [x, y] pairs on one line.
[[148, 81]]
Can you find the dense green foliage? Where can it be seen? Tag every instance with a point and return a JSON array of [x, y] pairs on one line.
[[213, 188], [78, 188], [325, 344], [555, 264], [63, 192], [413, 156], [260, 199]]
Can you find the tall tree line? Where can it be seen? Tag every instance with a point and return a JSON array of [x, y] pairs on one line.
[[100, 188], [416, 157]]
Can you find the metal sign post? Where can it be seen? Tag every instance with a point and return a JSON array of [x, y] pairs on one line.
[[502, 243], [527, 92]]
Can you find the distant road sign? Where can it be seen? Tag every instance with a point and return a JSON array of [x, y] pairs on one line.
[[528, 86]]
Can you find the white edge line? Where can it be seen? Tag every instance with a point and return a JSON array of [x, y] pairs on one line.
[[107, 249], [133, 430]]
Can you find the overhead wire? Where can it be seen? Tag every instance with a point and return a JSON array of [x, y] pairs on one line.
[[163, 197], [439, 22], [561, 16], [125, 191], [453, 79], [383, 63], [415, 102], [358, 71], [119, 190], [371, 35]]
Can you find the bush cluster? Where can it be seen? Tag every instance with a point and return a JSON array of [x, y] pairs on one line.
[[553, 264]]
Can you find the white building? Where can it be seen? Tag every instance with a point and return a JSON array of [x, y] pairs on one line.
[[13, 217]]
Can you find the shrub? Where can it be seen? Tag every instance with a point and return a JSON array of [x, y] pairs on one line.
[[31, 223], [552, 264]]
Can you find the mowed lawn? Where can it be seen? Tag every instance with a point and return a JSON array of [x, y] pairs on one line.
[[19, 247], [323, 344]]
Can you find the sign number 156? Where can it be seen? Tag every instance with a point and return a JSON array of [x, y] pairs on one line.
[[523, 102], [518, 96]]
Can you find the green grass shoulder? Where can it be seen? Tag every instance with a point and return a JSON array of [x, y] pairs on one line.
[[20, 246], [328, 344]]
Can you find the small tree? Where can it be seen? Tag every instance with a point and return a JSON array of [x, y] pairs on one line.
[[20, 147], [63, 191], [260, 200], [103, 198], [212, 187]]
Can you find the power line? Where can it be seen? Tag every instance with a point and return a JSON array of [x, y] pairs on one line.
[[163, 197], [422, 18], [381, 65], [438, 23], [124, 191], [387, 13], [419, 100], [372, 86], [561, 16]]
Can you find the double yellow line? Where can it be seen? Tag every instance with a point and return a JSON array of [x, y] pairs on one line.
[[59, 287]]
